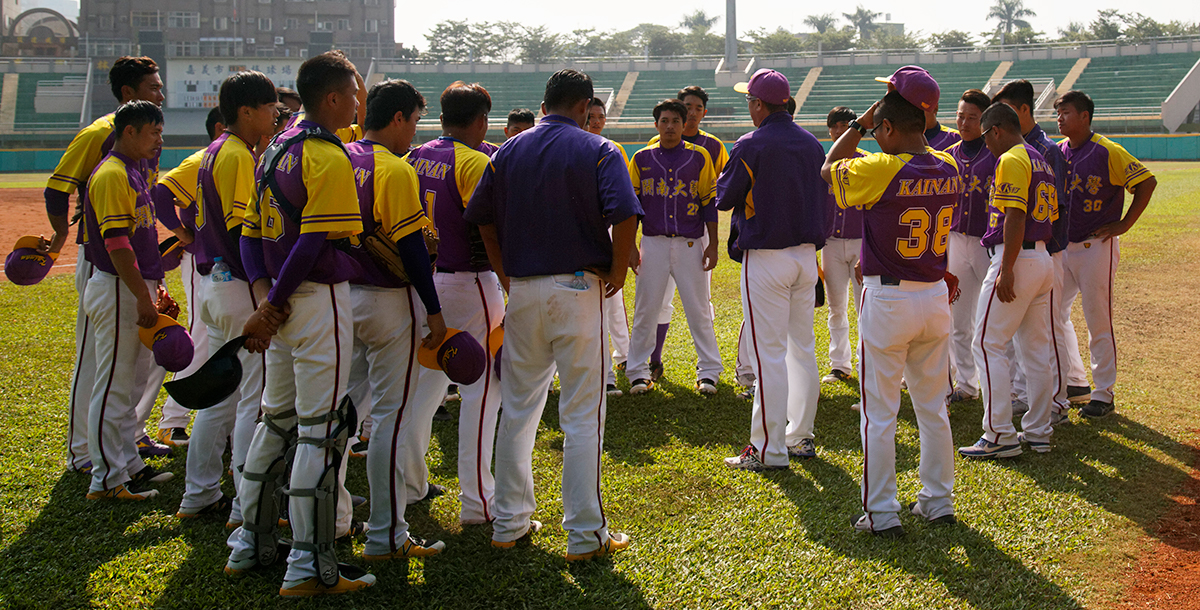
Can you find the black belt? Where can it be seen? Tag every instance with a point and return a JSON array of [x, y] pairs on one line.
[[1025, 245], [888, 280]]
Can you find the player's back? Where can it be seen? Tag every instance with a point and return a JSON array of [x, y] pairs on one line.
[[448, 171]]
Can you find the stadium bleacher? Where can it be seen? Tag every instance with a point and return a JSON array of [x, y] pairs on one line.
[[508, 90], [1134, 84], [27, 115], [1056, 69], [855, 86], [654, 87]]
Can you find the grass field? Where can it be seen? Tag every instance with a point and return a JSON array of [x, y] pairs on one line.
[[1058, 530]]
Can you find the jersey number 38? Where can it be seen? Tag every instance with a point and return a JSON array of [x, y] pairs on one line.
[[925, 234]]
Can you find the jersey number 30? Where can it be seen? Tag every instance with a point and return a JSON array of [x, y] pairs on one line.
[[919, 229]]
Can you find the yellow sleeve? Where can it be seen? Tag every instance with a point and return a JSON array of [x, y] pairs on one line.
[[708, 179], [722, 156], [468, 165], [1010, 189], [111, 198], [81, 157], [397, 199], [861, 181], [1123, 168], [635, 174], [353, 133], [234, 174], [621, 149], [182, 180], [332, 201]]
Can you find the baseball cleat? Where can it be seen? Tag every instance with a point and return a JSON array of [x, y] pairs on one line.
[[148, 448], [806, 449], [534, 526], [221, 507], [173, 437], [857, 406], [148, 475], [1058, 418], [1079, 393], [1097, 408], [413, 547], [835, 376], [862, 523], [442, 414], [240, 567], [960, 395], [749, 460], [1038, 446], [615, 542], [948, 519], [350, 579], [656, 371], [640, 386], [747, 394], [1019, 407], [432, 491], [85, 468], [357, 528], [985, 449], [613, 391], [620, 366], [123, 492], [359, 449], [706, 386], [452, 393]]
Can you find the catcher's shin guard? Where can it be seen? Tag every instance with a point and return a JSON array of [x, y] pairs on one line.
[[264, 523], [325, 494]]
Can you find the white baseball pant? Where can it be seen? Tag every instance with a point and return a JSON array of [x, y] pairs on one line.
[[904, 331], [1090, 270], [84, 375], [743, 366], [968, 260], [838, 258], [618, 330], [548, 324], [175, 415], [680, 259], [1027, 320], [778, 294], [1063, 336]]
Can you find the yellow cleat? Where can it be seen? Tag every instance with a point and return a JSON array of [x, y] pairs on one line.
[[615, 542], [122, 492], [534, 526], [413, 547], [350, 579]]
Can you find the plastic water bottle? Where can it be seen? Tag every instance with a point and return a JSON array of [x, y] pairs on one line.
[[579, 283], [220, 271]]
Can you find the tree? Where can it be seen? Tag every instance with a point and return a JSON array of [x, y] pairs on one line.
[[539, 45], [831, 40], [1023, 36], [450, 41], [699, 22], [1107, 25], [1075, 32], [657, 40], [820, 23], [887, 40], [863, 20], [590, 43], [695, 43], [951, 39], [1010, 14], [779, 41], [1140, 27]]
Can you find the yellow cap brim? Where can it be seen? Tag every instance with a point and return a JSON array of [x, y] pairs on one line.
[[32, 242], [428, 357], [495, 340], [742, 87], [147, 334], [884, 79]]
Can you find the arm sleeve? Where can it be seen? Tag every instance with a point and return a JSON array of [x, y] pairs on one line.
[[635, 175], [58, 203], [735, 182], [416, 261], [468, 170], [296, 268], [1125, 170], [331, 208], [397, 201], [861, 181], [79, 160], [706, 189], [242, 188], [253, 262], [164, 206], [113, 202], [617, 199], [1011, 186]]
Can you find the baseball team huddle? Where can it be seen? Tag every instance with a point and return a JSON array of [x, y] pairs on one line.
[[357, 282]]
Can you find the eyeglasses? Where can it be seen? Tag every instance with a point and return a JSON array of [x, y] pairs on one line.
[[876, 128], [751, 98], [985, 132]]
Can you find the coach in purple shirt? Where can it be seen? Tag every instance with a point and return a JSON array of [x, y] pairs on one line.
[[773, 184], [544, 206]]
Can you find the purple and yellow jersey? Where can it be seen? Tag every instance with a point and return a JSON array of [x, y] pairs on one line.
[[448, 172], [318, 180], [82, 156], [847, 222], [181, 181], [388, 202], [676, 186], [487, 148], [977, 166], [117, 202], [710, 143], [1054, 158], [1098, 173], [226, 187], [941, 137], [908, 204], [1024, 181], [353, 133]]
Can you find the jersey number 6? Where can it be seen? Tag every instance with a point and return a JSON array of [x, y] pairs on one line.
[[919, 226]]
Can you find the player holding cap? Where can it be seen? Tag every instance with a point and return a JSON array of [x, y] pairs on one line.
[[937, 135], [908, 194], [773, 187], [553, 243], [1099, 171], [1015, 299]]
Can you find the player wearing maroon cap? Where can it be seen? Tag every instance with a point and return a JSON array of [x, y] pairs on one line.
[[916, 78], [908, 194]]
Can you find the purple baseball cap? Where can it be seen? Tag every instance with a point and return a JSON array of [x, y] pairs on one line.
[[914, 85], [26, 266], [768, 86], [171, 251], [460, 356], [170, 342], [496, 362]]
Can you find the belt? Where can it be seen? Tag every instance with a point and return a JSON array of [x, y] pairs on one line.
[[888, 280], [445, 270], [1025, 245]]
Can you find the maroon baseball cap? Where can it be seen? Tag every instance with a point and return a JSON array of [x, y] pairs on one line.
[[170, 342], [460, 356], [768, 86], [496, 362], [171, 251], [914, 85], [26, 266]]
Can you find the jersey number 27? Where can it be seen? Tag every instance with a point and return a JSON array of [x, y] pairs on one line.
[[920, 229]]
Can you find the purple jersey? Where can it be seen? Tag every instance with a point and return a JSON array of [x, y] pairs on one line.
[[448, 171], [1054, 157], [941, 137], [487, 148], [117, 203], [1024, 181], [847, 222], [908, 202], [977, 166], [226, 180], [1098, 173], [675, 186], [388, 202]]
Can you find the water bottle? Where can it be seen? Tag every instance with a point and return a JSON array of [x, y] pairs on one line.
[[579, 283], [220, 271]]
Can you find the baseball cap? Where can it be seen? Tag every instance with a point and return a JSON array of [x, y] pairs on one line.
[[460, 356], [26, 266], [171, 251], [170, 342], [768, 86], [915, 85], [496, 358], [495, 344]]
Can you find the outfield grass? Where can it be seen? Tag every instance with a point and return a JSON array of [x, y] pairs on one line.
[[1041, 531], [23, 180]]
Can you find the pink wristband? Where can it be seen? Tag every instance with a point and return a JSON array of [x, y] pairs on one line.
[[112, 244]]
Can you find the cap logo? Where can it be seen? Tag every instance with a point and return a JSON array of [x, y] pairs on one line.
[[37, 258], [159, 336], [449, 353]]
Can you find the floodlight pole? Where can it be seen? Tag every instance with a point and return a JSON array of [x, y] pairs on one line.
[[731, 48]]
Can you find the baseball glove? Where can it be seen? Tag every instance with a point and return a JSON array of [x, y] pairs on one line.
[[385, 253], [952, 287]]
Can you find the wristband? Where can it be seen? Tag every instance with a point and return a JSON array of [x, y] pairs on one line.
[[120, 242], [862, 131]]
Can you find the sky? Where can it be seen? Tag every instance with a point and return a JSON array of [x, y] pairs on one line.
[[413, 21]]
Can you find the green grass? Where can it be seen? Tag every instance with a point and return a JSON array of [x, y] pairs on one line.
[[23, 181], [1041, 531]]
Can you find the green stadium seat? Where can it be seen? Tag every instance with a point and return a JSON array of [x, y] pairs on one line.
[[27, 116], [1136, 84]]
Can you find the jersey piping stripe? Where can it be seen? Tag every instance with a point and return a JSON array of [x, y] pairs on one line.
[[990, 397], [487, 380], [394, 460], [1059, 384], [108, 386], [337, 371], [602, 336], [862, 409], [760, 395], [87, 321], [1112, 262]]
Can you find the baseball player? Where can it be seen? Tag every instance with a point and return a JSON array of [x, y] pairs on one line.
[[1098, 173], [937, 135], [305, 204], [967, 258], [614, 307], [838, 259], [908, 193], [551, 249], [288, 97], [131, 78], [519, 119], [449, 168], [674, 181], [387, 321], [773, 188], [225, 188], [345, 134], [122, 244], [1014, 301]]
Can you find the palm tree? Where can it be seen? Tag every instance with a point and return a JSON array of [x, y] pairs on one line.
[[820, 23], [1010, 13], [864, 20], [699, 22]]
